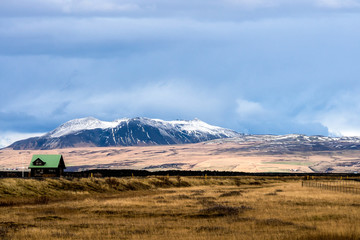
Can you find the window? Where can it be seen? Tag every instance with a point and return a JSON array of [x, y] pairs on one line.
[[38, 162]]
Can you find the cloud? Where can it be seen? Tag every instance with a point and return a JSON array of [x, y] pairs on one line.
[[258, 118], [338, 4], [66, 7], [102, 37], [263, 66], [196, 9], [251, 4], [24, 120], [164, 99], [7, 138], [341, 114], [248, 109], [79, 6]]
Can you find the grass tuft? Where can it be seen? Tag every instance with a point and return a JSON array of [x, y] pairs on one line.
[[274, 222], [231, 194], [49, 218], [221, 211]]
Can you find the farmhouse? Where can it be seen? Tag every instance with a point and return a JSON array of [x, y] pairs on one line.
[[47, 165]]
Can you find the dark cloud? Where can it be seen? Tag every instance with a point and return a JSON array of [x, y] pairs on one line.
[[23, 122]]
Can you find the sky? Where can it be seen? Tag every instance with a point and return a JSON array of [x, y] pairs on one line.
[[254, 66]]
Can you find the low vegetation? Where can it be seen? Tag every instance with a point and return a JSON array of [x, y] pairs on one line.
[[175, 207]]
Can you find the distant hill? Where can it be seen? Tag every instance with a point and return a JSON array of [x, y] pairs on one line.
[[293, 143], [91, 132]]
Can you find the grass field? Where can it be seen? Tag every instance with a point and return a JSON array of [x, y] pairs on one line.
[[170, 208]]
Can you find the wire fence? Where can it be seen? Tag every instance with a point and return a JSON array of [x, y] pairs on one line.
[[346, 186]]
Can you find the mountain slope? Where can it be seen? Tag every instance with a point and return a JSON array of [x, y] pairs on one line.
[[91, 132], [293, 143]]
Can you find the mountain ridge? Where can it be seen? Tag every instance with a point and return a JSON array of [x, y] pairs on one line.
[[88, 132], [141, 131]]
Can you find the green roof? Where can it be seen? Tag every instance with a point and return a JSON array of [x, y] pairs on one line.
[[49, 161]]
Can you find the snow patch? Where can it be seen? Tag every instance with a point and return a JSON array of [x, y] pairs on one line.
[[81, 124]]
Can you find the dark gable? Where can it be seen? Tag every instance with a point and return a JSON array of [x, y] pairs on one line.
[[39, 162]]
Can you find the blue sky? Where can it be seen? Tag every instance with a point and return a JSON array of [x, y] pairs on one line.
[[255, 66]]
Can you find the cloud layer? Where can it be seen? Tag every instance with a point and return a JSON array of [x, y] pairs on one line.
[[274, 66]]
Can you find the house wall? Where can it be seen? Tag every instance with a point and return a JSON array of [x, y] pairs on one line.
[[46, 172]]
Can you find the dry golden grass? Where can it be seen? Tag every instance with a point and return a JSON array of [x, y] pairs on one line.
[[162, 208]]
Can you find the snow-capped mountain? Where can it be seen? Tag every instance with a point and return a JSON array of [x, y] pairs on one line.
[[90, 131], [292, 143]]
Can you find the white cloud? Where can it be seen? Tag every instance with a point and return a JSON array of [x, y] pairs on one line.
[[7, 138], [248, 109], [340, 115], [339, 123]]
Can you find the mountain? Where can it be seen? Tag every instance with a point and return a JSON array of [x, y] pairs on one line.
[[91, 132], [274, 144]]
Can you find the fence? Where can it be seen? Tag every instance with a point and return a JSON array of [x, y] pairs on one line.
[[346, 186]]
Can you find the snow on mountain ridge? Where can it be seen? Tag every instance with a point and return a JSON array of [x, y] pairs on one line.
[[79, 124], [195, 126], [191, 126]]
